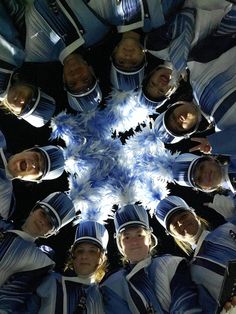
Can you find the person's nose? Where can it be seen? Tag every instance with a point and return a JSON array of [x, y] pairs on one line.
[[128, 52], [84, 255], [134, 240], [33, 164]]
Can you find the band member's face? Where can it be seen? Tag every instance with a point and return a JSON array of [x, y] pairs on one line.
[[86, 258], [184, 225], [26, 165], [128, 54], [78, 75], [183, 118], [158, 83], [19, 95], [207, 174], [135, 243], [38, 223]]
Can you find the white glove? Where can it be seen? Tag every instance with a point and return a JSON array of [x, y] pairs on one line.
[[224, 205]]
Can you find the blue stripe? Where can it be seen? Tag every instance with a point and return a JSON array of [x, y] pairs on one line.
[[209, 265], [228, 24], [58, 22], [183, 29], [214, 90], [131, 10], [224, 106]]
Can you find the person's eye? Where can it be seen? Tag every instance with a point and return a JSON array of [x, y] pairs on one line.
[[120, 62], [93, 251], [79, 251]]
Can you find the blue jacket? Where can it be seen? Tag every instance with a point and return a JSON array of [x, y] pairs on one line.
[[169, 280], [51, 36], [11, 48], [22, 267], [214, 250], [129, 15], [66, 293]]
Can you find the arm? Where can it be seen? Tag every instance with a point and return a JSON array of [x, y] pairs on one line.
[[16, 291], [221, 142], [186, 296], [183, 28]]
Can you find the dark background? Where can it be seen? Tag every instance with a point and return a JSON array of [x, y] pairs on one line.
[[21, 135]]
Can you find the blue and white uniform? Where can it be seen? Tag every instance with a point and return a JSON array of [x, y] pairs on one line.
[[219, 143], [168, 288], [22, 267], [51, 36], [11, 48], [129, 15], [214, 250], [66, 293], [12, 52], [175, 40], [214, 88]]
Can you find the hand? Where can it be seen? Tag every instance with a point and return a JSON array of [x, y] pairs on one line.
[[204, 145], [229, 306]]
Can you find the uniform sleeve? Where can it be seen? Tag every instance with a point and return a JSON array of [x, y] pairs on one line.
[[223, 142], [7, 197], [44, 300], [17, 290], [187, 297], [182, 36], [113, 303]]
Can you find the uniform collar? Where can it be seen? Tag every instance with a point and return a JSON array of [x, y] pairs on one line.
[[142, 264], [24, 235], [83, 280], [202, 237]]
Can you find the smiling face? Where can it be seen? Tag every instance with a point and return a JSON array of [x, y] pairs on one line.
[[77, 74], [128, 54], [158, 83], [19, 95], [184, 226], [183, 118], [135, 243], [27, 165], [86, 258], [38, 223], [207, 174]]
